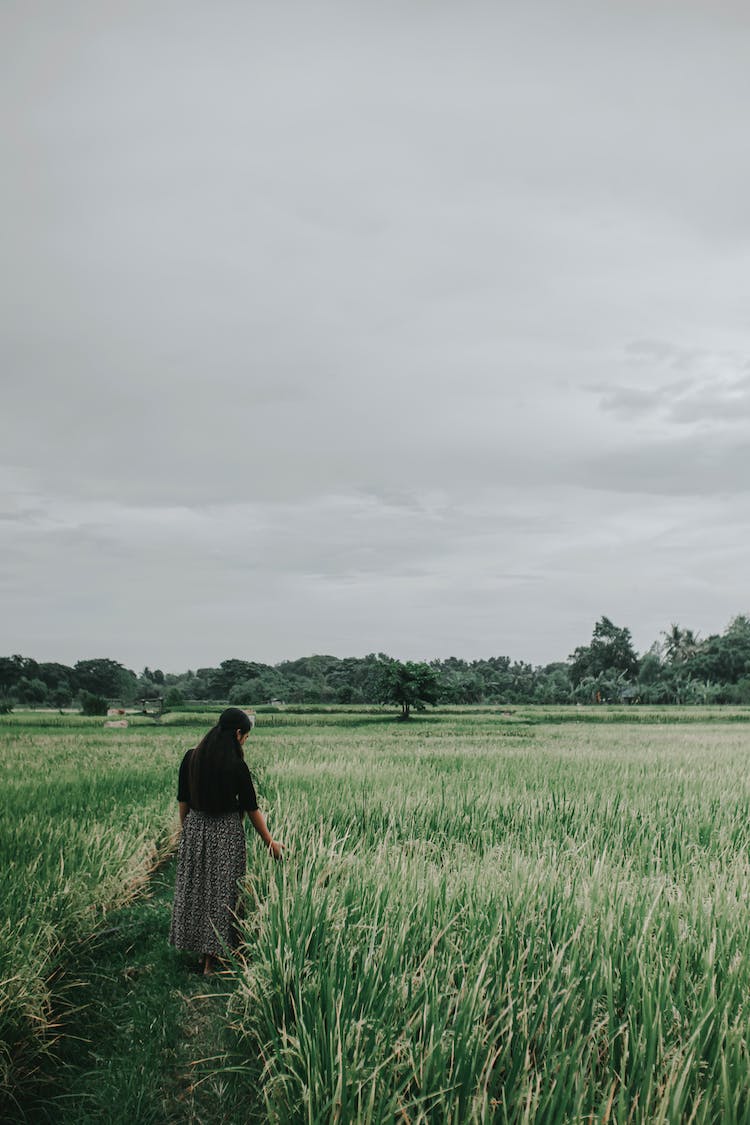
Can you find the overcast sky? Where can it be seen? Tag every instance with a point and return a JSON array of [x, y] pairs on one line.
[[413, 327]]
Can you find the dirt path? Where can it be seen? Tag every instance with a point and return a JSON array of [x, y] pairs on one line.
[[139, 1036]]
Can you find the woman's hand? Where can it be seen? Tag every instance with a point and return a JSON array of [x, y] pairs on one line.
[[258, 822]]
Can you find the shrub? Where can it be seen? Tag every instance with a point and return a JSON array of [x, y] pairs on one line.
[[92, 704]]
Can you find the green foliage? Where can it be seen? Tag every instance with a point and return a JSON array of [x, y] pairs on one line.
[[14, 668], [261, 689], [682, 668], [650, 670], [92, 704], [106, 678], [553, 686], [61, 683], [610, 658], [221, 680], [32, 692], [410, 684], [174, 699], [723, 659], [679, 644]]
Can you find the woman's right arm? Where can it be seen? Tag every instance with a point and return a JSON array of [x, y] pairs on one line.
[[184, 808]]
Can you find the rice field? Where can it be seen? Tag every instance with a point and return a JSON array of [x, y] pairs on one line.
[[480, 918]]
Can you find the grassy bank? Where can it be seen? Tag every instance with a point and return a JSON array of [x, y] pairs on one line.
[[84, 816], [138, 1035]]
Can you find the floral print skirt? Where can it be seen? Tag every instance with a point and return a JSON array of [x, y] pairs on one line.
[[210, 864]]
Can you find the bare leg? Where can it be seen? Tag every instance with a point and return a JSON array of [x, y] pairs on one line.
[[209, 965]]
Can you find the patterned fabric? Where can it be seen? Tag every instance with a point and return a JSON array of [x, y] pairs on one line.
[[210, 862]]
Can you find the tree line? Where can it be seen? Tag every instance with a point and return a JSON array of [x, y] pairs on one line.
[[679, 668]]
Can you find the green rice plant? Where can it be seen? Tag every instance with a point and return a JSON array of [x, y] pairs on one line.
[[475, 926], [480, 917]]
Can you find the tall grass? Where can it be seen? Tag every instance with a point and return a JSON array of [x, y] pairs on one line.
[[84, 815], [479, 918], [542, 925]]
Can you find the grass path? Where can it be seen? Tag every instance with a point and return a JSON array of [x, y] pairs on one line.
[[138, 1034]]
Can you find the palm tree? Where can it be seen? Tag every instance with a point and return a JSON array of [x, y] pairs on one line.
[[679, 644]]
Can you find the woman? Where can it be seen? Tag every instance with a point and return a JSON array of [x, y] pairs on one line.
[[214, 792]]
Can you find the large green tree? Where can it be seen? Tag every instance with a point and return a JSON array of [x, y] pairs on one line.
[[609, 658], [106, 678], [14, 668], [724, 659], [221, 680], [408, 684]]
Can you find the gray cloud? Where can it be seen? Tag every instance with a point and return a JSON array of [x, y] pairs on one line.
[[729, 402], [638, 402], [369, 327], [700, 465], [683, 403], [712, 387]]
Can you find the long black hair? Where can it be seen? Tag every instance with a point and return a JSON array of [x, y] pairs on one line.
[[212, 771]]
